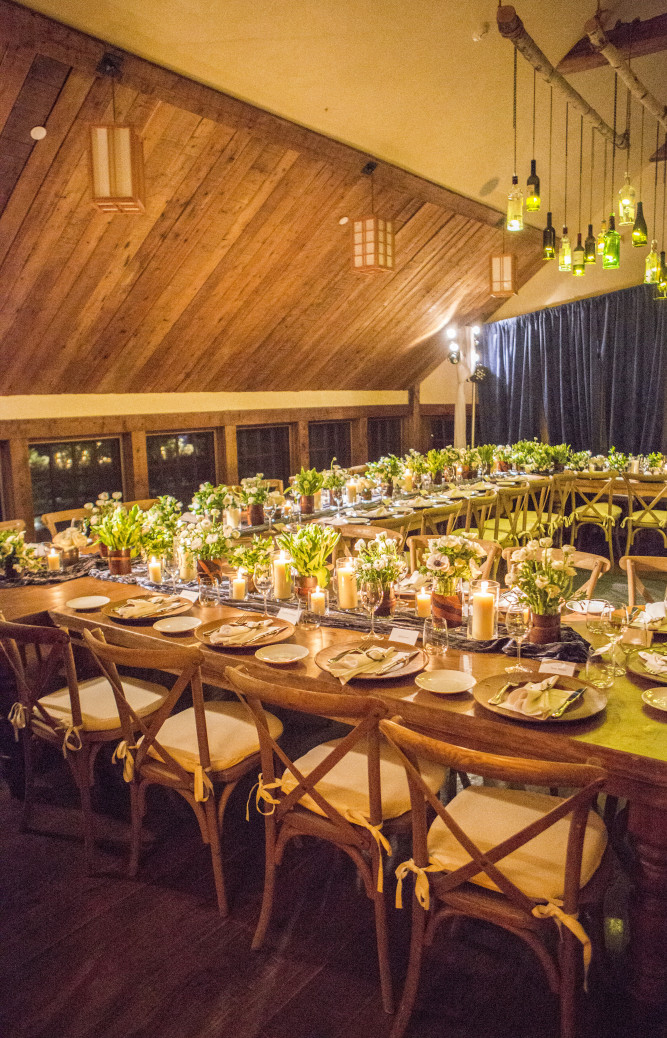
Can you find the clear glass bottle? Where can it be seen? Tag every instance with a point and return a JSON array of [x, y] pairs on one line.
[[640, 230], [601, 237], [515, 207], [611, 257], [578, 259], [565, 254], [626, 203], [652, 266], [590, 246], [533, 190], [549, 240]]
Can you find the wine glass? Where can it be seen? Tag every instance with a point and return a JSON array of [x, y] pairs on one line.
[[517, 622], [595, 623], [263, 578], [270, 509], [171, 569], [435, 637], [371, 596], [615, 624], [337, 494]]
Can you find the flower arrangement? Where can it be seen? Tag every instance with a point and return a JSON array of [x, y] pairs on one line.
[[379, 561], [415, 462], [15, 553], [386, 469], [307, 482], [253, 491], [580, 461], [334, 478], [211, 500], [120, 529], [617, 460], [309, 547], [543, 579], [208, 539], [247, 556], [438, 460], [104, 505], [450, 559], [654, 461], [161, 525]]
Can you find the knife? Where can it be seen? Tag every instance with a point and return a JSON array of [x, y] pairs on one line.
[[400, 662], [572, 698]]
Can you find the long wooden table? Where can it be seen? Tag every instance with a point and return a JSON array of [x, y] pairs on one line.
[[628, 738]]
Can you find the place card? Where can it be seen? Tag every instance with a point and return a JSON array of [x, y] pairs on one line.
[[568, 670], [404, 634], [290, 615], [192, 596]]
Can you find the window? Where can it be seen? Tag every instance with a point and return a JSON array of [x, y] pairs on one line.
[[442, 431], [327, 440], [384, 437], [265, 449], [72, 472], [179, 462]]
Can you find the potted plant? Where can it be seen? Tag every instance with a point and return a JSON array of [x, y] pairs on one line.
[[654, 462], [104, 504], [380, 562], [210, 543], [309, 547], [560, 456], [470, 462], [121, 532], [486, 453], [15, 554], [436, 462], [306, 484], [545, 583], [254, 494], [617, 461], [247, 556], [449, 561], [387, 470], [415, 464], [161, 523], [212, 500], [334, 480], [503, 458]]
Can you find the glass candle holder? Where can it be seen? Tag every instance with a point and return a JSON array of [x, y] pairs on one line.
[[238, 585], [53, 563], [318, 606], [281, 568], [346, 583], [483, 600], [155, 570]]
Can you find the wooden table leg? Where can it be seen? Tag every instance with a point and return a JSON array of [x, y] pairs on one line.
[[648, 946]]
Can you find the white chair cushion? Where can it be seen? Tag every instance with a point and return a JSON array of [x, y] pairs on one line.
[[232, 735], [346, 785], [489, 816], [98, 705], [601, 511]]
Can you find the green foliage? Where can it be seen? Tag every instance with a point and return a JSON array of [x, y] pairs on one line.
[[161, 525], [212, 500], [247, 556], [309, 549], [307, 482], [15, 552], [121, 529]]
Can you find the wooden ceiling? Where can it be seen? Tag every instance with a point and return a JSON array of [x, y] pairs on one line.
[[238, 276]]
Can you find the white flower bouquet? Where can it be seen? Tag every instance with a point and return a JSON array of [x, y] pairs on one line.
[[379, 561], [543, 578], [450, 559], [208, 539], [15, 553]]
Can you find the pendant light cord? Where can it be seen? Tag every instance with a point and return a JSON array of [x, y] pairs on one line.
[[534, 89], [641, 156], [514, 108], [590, 207], [581, 165], [628, 114], [567, 120], [604, 179], [613, 147], [664, 194], [551, 123]]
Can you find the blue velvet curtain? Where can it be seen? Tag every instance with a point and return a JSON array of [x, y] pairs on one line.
[[592, 372]]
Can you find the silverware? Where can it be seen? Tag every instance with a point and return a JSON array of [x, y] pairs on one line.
[[401, 662], [572, 698], [356, 648], [500, 695]]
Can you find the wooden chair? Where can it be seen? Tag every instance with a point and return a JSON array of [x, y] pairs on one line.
[[191, 752], [18, 525], [521, 860], [538, 515], [274, 484], [144, 503], [51, 519], [506, 520], [79, 718], [596, 565], [631, 564], [350, 792], [645, 496], [418, 545], [595, 494], [447, 514], [352, 533]]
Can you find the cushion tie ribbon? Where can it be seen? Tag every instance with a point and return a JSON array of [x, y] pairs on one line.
[[381, 840], [72, 739], [203, 784], [553, 910], [422, 889], [123, 752], [262, 794], [18, 718]]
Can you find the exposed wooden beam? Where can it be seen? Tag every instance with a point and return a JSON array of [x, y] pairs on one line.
[[634, 39]]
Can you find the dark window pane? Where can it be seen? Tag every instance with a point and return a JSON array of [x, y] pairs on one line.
[[70, 473], [179, 462], [265, 449], [327, 440], [384, 437], [442, 431]]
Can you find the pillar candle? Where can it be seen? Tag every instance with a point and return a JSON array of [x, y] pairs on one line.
[[187, 570], [53, 560], [351, 490], [233, 517], [238, 585], [483, 605], [282, 577], [155, 571], [317, 602], [347, 588], [423, 603], [317, 500], [408, 481]]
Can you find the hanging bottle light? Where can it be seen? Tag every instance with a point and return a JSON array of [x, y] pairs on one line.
[[589, 244], [640, 230], [515, 196], [611, 257], [549, 232], [627, 206], [533, 200], [652, 265], [661, 286], [578, 254], [603, 222], [565, 251]]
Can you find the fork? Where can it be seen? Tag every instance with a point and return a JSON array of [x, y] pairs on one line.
[[365, 644], [500, 695]]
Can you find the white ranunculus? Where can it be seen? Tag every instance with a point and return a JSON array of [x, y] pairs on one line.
[[545, 542], [197, 542], [519, 556], [541, 581], [104, 496], [117, 495], [553, 591], [211, 539], [557, 564], [533, 545], [89, 506]]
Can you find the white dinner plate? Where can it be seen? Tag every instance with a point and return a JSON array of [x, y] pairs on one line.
[[594, 606], [281, 653], [88, 602], [445, 682], [656, 697], [176, 624]]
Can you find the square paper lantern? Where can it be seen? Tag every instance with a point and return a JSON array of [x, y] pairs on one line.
[[117, 169], [373, 244], [503, 276]]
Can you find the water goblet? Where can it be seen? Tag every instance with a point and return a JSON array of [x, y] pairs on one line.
[[371, 596], [612, 626], [435, 637], [270, 509], [517, 622], [337, 494], [263, 578], [171, 569]]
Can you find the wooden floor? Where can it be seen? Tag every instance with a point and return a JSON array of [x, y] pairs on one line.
[[150, 958]]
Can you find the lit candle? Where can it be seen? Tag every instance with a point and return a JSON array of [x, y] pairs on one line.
[[155, 571], [408, 484], [317, 500], [287, 508], [317, 602], [187, 569], [347, 587], [282, 576], [53, 560], [238, 585], [351, 491], [483, 607], [423, 603], [233, 517]]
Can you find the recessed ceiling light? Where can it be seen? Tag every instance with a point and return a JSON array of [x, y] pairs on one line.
[[343, 220], [38, 133]]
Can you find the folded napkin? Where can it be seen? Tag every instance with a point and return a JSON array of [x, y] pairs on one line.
[[655, 662], [416, 502], [415, 581], [459, 494], [536, 698], [377, 513], [373, 661], [481, 486], [654, 615], [70, 538], [243, 634], [137, 607]]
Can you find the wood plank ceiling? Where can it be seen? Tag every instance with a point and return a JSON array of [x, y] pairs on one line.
[[238, 276]]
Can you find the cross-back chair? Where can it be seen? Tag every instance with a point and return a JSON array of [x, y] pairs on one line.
[[79, 718], [521, 860], [419, 544], [190, 752], [592, 504], [18, 525], [635, 564], [432, 518], [647, 507], [596, 565], [538, 517], [350, 792], [351, 533], [52, 520], [506, 519], [274, 484]]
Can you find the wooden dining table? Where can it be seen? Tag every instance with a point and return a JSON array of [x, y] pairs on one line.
[[628, 738]]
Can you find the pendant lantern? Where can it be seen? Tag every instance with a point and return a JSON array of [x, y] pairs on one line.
[[116, 153], [503, 273], [372, 237]]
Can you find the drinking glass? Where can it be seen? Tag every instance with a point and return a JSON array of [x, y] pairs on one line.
[[371, 596], [171, 569], [435, 637], [615, 625], [517, 622], [337, 494], [270, 509], [598, 672], [263, 577], [595, 618]]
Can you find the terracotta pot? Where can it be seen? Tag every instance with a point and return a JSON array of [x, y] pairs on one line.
[[559, 466], [69, 557], [103, 550], [307, 504], [543, 629], [302, 585], [120, 561], [388, 603], [466, 472], [366, 495], [209, 571], [256, 515], [448, 607], [503, 466]]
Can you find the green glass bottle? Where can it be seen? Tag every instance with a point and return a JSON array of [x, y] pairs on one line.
[[515, 207], [639, 231], [549, 240], [578, 259], [601, 237], [661, 287], [533, 189], [611, 257], [590, 251], [565, 254], [652, 266]]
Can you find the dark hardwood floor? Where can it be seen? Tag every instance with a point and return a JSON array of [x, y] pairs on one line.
[[102, 956]]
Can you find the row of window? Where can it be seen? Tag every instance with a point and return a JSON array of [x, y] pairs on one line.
[[69, 473]]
